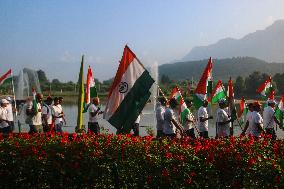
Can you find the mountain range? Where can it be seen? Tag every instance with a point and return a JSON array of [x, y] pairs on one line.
[[267, 44], [222, 68]]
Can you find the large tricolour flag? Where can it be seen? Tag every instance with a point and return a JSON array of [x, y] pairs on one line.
[[129, 92], [218, 92], [7, 77], [264, 88], [201, 89]]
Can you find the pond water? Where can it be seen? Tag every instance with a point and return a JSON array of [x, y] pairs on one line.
[[147, 121]]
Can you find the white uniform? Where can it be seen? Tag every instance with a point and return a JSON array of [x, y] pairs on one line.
[[222, 116], [202, 112], [10, 112], [92, 109], [36, 119], [3, 116], [268, 118], [57, 111], [256, 119], [47, 110], [160, 111], [169, 127]]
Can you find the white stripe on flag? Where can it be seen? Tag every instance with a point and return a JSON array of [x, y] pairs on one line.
[[133, 72]]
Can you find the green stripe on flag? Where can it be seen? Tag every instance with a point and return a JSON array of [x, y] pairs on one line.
[[7, 81], [279, 116], [93, 92], [133, 103], [197, 101], [218, 96]]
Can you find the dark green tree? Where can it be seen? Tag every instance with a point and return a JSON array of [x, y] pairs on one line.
[[239, 86]]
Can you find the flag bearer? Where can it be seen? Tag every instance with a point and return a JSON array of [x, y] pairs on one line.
[[269, 119], [203, 120], [94, 111], [222, 120]]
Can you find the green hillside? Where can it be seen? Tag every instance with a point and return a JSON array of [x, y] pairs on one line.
[[222, 68]]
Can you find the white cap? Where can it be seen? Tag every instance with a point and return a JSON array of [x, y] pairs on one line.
[[8, 98], [271, 101], [4, 101]]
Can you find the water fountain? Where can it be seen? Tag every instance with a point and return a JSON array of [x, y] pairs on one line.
[[26, 80]]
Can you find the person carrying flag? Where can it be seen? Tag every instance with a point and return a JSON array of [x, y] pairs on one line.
[[94, 111], [222, 120], [203, 120], [248, 118], [160, 111], [256, 122], [171, 124], [34, 110], [187, 120], [269, 119], [47, 114]]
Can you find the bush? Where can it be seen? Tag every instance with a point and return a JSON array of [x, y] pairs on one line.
[[89, 161]]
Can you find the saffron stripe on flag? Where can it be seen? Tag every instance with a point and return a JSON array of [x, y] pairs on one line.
[[133, 103]]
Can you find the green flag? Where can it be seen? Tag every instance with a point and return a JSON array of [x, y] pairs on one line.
[[80, 98]]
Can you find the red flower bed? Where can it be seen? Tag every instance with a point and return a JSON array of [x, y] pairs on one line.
[[106, 161]]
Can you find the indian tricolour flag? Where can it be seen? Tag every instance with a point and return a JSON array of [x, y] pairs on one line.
[[6, 78], [280, 111], [176, 94], [218, 92], [201, 91], [129, 92], [264, 88], [91, 90]]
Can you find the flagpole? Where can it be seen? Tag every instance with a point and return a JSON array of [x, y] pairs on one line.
[[160, 90], [13, 89], [234, 107]]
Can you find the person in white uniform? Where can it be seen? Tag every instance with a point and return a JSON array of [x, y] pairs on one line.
[[203, 118], [10, 111], [47, 114], [36, 117], [222, 120], [188, 120], [171, 124], [94, 111], [269, 119], [248, 118], [4, 123], [256, 121], [57, 115], [160, 111]]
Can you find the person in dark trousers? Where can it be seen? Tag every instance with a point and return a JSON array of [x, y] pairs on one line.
[[94, 111]]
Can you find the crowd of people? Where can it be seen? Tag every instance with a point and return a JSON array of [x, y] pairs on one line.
[[257, 122], [41, 116], [48, 115]]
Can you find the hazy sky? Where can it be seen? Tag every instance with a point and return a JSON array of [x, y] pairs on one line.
[[53, 34]]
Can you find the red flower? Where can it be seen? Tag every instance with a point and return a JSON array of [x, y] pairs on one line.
[[188, 181], [192, 174], [149, 179], [165, 173], [168, 155]]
